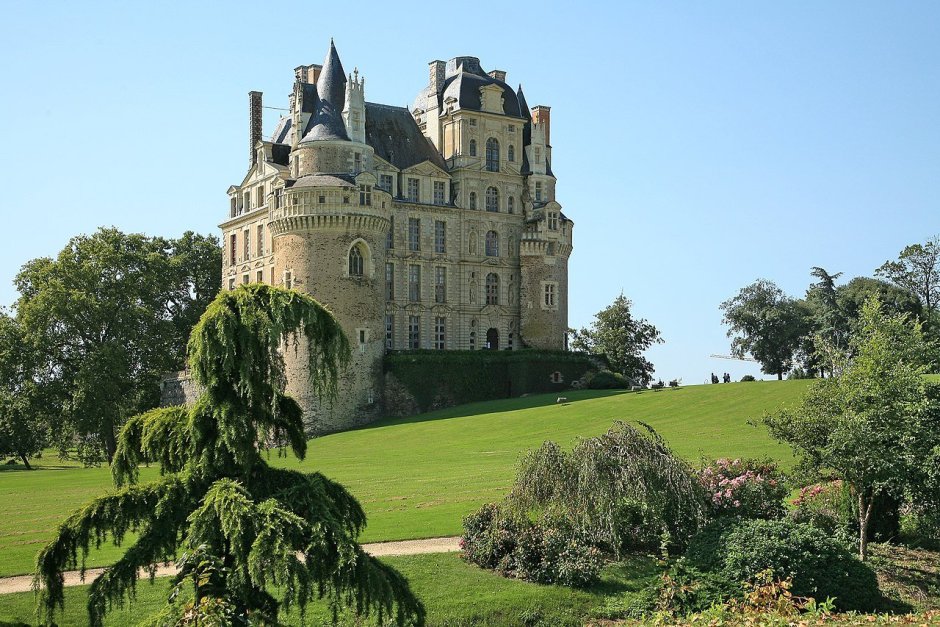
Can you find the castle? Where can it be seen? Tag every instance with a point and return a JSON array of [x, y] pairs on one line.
[[434, 228]]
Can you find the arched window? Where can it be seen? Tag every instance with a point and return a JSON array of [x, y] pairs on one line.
[[511, 204], [355, 261], [492, 199], [511, 153], [492, 155], [473, 148], [473, 200], [492, 289], [492, 244]]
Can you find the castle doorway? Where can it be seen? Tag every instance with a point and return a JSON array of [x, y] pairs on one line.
[[492, 339]]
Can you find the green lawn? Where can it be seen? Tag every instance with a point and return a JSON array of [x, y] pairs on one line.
[[483, 598], [417, 477]]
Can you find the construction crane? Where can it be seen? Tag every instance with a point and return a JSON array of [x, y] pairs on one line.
[[733, 357]]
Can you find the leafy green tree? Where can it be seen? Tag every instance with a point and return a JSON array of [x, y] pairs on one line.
[[23, 424], [873, 424], [767, 324], [917, 269], [109, 315], [248, 528], [897, 300], [622, 338]]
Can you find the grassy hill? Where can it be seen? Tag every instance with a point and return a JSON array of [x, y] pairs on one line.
[[417, 477]]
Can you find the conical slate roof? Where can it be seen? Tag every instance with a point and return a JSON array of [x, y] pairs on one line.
[[327, 123], [523, 105]]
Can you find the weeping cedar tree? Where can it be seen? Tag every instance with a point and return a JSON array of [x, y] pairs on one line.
[[626, 489], [246, 527], [877, 425]]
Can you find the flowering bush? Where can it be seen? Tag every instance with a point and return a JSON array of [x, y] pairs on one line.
[[746, 488], [548, 551]]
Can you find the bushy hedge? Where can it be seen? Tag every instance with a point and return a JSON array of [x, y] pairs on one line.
[[605, 380], [820, 567], [471, 376], [829, 507], [550, 551]]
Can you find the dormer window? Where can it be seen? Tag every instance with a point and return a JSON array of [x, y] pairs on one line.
[[365, 195], [552, 221]]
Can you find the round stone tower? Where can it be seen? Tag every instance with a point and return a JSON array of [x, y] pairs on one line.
[[543, 288], [329, 241]]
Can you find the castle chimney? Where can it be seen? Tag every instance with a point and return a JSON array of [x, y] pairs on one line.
[[437, 76], [542, 115], [254, 130], [499, 75]]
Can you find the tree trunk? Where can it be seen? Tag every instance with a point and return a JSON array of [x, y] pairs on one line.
[[26, 462], [780, 376], [864, 513]]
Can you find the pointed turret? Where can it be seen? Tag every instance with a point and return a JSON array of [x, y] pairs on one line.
[[331, 93], [523, 105]]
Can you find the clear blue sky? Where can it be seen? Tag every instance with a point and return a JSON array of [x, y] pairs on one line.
[[698, 146]]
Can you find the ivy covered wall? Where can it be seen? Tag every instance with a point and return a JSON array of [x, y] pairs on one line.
[[419, 381]]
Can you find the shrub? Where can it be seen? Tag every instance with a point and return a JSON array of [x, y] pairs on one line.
[[747, 488], [605, 380], [828, 506], [818, 566], [682, 589], [748, 377], [550, 551]]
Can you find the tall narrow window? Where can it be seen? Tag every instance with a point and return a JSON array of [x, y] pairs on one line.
[[288, 279], [260, 241], [549, 299], [492, 199], [231, 284], [355, 261], [440, 284], [259, 194], [473, 148], [473, 200], [511, 204], [259, 276], [538, 191], [492, 155], [385, 182], [390, 237], [511, 153], [389, 331], [357, 162], [247, 244], [414, 234], [414, 332], [492, 244], [492, 289], [538, 155], [234, 207], [439, 187], [440, 236], [414, 283], [473, 340], [389, 281], [413, 187], [234, 248], [365, 195], [439, 333]]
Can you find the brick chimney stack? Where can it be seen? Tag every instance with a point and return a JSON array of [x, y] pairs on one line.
[[542, 115], [499, 75], [254, 130]]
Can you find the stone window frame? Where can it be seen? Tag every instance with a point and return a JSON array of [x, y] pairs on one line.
[[414, 283], [440, 192], [414, 332], [365, 253], [389, 280], [492, 155], [440, 332], [510, 204], [552, 220], [492, 288], [473, 200], [389, 331], [413, 188], [414, 234], [492, 199], [440, 284], [472, 147], [440, 237], [491, 247], [549, 300], [511, 154], [260, 242]]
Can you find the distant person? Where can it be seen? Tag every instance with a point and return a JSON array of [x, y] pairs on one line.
[[714, 378], [727, 378]]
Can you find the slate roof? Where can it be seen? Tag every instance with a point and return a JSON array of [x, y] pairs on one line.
[[464, 87], [395, 137], [327, 123]]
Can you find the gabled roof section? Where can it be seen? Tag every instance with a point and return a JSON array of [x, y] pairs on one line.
[[396, 138]]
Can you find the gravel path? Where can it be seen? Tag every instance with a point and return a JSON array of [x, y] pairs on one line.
[[24, 583]]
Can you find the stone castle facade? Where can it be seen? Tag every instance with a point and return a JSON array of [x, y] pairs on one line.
[[430, 228]]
